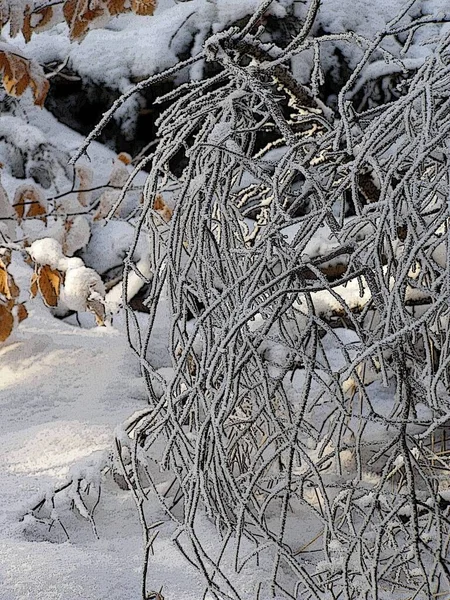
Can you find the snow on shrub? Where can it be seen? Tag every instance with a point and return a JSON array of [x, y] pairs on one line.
[[58, 277]]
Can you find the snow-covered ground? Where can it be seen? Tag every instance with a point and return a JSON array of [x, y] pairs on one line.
[[63, 390]]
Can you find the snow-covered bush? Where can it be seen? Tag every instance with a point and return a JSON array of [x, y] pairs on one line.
[[276, 422]]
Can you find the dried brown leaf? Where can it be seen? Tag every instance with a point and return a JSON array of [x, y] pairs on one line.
[[34, 288], [115, 7], [8, 287], [143, 7], [85, 176], [4, 288], [78, 15], [98, 308], [46, 14], [26, 27], [49, 283], [6, 322], [22, 312], [20, 73], [29, 202], [125, 158], [162, 209]]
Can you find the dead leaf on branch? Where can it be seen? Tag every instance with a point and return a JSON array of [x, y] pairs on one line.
[[19, 73], [162, 209], [22, 312], [85, 177], [29, 202], [49, 284], [80, 13], [8, 287], [6, 322], [34, 285], [14, 12], [115, 7], [143, 7], [98, 308], [36, 20]]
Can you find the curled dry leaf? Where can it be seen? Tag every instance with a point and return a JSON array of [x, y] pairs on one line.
[[8, 287], [49, 284], [22, 312], [29, 202], [14, 12], [98, 308], [19, 73], [162, 209], [125, 158], [79, 14], [36, 20], [115, 7], [6, 322], [85, 177], [34, 285], [143, 7]]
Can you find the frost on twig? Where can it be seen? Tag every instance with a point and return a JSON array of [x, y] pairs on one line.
[[80, 492]]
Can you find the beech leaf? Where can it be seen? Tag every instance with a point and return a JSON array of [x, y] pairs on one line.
[[34, 285], [19, 73], [49, 283], [143, 7], [98, 309], [22, 312], [6, 322]]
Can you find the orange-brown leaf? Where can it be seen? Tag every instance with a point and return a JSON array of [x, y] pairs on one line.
[[162, 209], [49, 283], [26, 27], [22, 312], [39, 84], [13, 289], [8, 287], [115, 7], [85, 177], [6, 322], [45, 13], [78, 15], [19, 73], [98, 309], [34, 285], [28, 201], [4, 288], [37, 210], [124, 157], [143, 7]]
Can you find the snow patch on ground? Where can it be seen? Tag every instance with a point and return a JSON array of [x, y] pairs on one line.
[[63, 390]]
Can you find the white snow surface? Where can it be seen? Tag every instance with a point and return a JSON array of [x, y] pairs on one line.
[[63, 391]]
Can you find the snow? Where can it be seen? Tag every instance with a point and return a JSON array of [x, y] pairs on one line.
[[80, 284], [46, 251], [63, 390]]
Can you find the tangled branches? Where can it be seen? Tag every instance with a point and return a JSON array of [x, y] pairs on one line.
[[269, 424]]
